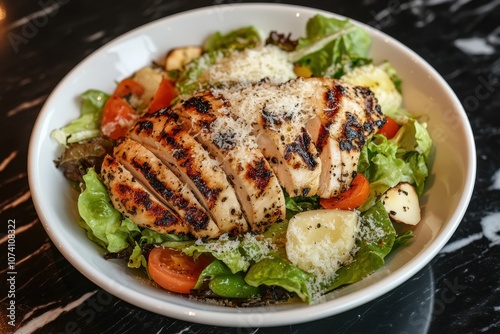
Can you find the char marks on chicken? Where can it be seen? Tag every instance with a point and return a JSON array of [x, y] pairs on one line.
[[217, 162], [231, 142]]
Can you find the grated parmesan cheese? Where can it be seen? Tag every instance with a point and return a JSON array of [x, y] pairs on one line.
[[251, 65], [228, 133], [254, 249], [370, 231]]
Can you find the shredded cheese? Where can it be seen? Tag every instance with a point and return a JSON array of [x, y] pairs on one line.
[[251, 65]]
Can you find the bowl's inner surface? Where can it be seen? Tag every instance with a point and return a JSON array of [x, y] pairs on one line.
[[425, 93]]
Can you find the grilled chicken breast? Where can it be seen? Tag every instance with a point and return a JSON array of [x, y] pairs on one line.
[[344, 118], [311, 130], [176, 148], [277, 115], [229, 140], [134, 201], [163, 183], [215, 162]]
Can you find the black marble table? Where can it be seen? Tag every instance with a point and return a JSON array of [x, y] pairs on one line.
[[458, 292]]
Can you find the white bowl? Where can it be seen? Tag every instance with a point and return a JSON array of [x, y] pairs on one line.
[[425, 92]]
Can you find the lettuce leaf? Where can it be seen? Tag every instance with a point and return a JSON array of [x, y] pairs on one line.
[[404, 158], [104, 224], [236, 253], [280, 272], [189, 79], [239, 39], [88, 125], [231, 257], [332, 47], [224, 283], [298, 204], [377, 239]]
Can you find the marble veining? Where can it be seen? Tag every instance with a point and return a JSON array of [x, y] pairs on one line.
[[33, 324], [474, 46]]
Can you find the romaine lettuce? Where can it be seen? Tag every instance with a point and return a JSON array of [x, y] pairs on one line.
[[404, 158], [332, 47], [88, 125], [280, 272], [225, 283], [239, 39], [377, 236]]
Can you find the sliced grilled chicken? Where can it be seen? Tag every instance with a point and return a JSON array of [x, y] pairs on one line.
[[194, 166], [277, 115], [331, 179], [334, 117], [135, 202], [345, 117], [230, 142], [161, 181]]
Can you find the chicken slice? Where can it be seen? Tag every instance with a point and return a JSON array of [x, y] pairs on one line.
[[160, 180], [193, 165], [345, 117], [230, 142], [277, 116], [135, 202], [332, 117]]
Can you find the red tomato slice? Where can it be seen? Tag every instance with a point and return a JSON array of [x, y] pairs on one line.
[[175, 271], [164, 96], [390, 128], [127, 87], [350, 199], [117, 117]]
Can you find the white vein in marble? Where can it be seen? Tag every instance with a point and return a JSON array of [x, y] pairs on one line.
[[491, 229], [474, 46], [7, 160], [26, 105], [496, 181], [95, 36], [49, 10], [51, 315], [16, 201], [20, 229]]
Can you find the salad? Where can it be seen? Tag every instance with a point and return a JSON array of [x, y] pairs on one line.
[[320, 235]]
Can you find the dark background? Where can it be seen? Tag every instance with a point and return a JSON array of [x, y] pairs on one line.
[[459, 291]]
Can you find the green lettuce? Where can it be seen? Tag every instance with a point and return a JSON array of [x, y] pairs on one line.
[[377, 239], [332, 47], [109, 229], [393, 75], [280, 272], [298, 204], [236, 253], [104, 224], [225, 283], [189, 79], [88, 125], [404, 158], [239, 39], [231, 257]]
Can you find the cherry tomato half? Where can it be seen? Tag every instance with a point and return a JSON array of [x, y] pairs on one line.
[[350, 199], [390, 128], [117, 117], [175, 271]]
